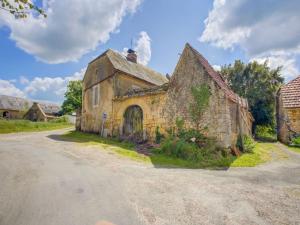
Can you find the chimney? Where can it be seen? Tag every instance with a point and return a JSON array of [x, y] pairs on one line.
[[131, 56]]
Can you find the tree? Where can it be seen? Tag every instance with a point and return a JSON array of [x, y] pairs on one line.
[[73, 97], [259, 85], [20, 8]]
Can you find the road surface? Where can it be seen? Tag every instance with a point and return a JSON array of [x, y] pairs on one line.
[[46, 181]]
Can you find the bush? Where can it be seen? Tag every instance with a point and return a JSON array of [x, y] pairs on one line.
[[296, 141], [61, 119], [265, 133], [249, 144]]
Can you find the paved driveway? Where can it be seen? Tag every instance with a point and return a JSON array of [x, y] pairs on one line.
[[44, 181]]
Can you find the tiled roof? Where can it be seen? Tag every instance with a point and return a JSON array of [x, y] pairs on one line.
[[291, 94], [22, 104], [14, 103], [50, 108], [138, 70], [218, 79]]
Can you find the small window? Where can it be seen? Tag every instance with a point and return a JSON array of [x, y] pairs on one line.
[[95, 95]]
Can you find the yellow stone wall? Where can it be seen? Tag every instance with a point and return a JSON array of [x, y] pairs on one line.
[[123, 83], [109, 88], [294, 117], [152, 106]]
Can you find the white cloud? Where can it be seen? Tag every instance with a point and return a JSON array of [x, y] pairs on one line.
[[41, 88], [217, 67], [262, 29], [71, 29], [51, 86], [289, 67], [142, 47], [8, 88]]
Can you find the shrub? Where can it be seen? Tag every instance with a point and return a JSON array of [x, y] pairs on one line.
[[249, 144], [61, 119], [265, 133], [296, 141], [179, 148]]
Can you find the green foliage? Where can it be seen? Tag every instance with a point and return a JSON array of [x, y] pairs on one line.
[[201, 95], [11, 126], [248, 142], [73, 97], [158, 136], [265, 133], [296, 141], [191, 145], [257, 83], [61, 119], [20, 8]]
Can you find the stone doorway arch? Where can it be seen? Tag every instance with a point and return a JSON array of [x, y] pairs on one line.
[[133, 122]]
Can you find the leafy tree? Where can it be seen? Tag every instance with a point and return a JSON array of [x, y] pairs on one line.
[[20, 8], [73, 97], [257, 83]]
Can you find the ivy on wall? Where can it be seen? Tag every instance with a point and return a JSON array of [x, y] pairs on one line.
[[201, 94]]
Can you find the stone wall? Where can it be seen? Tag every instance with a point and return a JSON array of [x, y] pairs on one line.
[[152, 106], [288, 121], [294, 117], [35, 113], [14, 114], [220, 120], [109, 88]]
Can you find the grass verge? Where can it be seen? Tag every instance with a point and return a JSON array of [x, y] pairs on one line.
[[262, 153], [12, 126], [294, 149]]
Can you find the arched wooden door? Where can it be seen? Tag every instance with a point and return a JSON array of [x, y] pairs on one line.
[[133, 122]]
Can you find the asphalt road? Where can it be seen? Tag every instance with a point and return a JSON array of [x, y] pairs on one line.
[[45, 181]]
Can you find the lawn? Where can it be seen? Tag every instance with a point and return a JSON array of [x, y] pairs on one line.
[[262, 153], [294, 149], [12, 126]]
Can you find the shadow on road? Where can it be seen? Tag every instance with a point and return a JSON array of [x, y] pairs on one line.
[[132, 151]]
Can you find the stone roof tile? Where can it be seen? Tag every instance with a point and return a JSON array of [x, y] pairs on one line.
[[135, 69]]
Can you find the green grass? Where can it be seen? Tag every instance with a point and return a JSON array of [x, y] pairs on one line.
[[294, 149], [262, 153], [12, 126]]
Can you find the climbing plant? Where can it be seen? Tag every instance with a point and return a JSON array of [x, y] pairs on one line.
[[201, 95]]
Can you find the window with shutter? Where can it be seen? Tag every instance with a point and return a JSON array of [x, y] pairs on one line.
[[95, 94]]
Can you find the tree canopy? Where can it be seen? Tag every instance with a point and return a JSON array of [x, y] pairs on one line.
[[73, 97], [20, 8], [259, 85]]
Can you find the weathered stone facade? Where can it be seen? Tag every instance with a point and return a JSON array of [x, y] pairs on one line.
[[288, 111], [161, 101], [227, 114]]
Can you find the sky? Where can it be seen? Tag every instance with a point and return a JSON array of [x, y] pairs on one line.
[[39, 56]]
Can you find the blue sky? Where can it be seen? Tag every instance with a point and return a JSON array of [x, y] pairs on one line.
[[39, 56]]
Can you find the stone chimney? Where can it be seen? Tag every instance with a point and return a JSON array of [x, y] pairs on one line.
[[131, 56]]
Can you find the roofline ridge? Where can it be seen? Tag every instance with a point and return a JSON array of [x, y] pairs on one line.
[[291, 81]]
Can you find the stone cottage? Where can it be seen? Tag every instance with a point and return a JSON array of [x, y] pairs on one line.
[[123, 97], [13, 107], [21, 108], [42, 112], [288, 110]]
